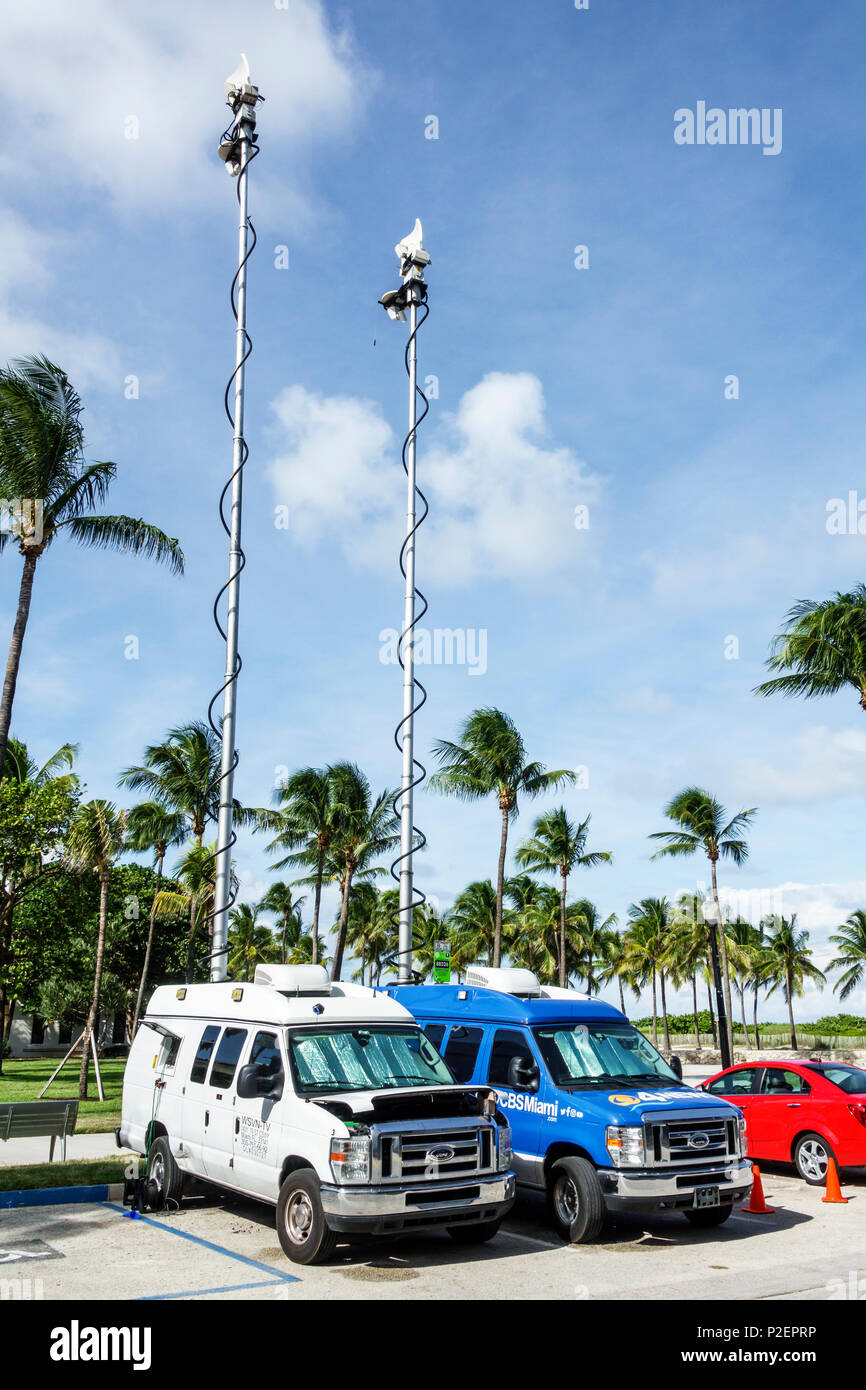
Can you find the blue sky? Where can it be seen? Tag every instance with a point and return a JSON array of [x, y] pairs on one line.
[[557, 388]]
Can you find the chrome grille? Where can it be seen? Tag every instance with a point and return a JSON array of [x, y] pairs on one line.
[[684, 1138], [418, 1153]]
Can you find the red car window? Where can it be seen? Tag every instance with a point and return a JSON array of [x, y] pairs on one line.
[[734, 1083], [779, 1081]]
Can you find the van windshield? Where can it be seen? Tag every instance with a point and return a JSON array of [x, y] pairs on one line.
[[582, 1055], [364, 1059]]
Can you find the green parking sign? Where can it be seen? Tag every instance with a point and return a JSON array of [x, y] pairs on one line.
[[442, 963]]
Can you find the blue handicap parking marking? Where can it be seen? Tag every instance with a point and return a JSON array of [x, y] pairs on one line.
[[277, 1275]]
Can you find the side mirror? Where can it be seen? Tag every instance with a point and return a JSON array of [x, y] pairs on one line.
[[253, 1084], [676, 1066], [523, 1074]]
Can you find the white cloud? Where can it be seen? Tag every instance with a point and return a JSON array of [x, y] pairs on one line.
[[644, 700], [822, 764], [26, 260], [72, 76], [502, 496]]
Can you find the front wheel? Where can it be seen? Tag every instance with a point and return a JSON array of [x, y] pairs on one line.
[[476, 1234], [576, 1199], [165, 1178], [304, 1233], [812, 1156], [709, 1216]]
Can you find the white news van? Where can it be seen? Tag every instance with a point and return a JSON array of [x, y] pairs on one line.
[[326, 1100]]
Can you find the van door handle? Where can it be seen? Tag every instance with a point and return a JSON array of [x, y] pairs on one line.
[[237, 1126], [206, 1118]]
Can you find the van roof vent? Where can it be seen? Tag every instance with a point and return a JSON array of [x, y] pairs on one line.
[[292, 980], [519, 982]]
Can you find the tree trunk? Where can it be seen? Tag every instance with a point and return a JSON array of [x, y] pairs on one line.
[[742, 989], [500, 879], [190, 945], [723, 951], [621, 994], [665, 1028], [97, 987], [146, 966], [790, 994], [655, 1012], [320, 870], [337, 963], [563, 972], [755, 1020], [695, 1009], [14, 659]]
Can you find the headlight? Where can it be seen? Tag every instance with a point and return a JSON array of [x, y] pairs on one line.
[[741, 1130], [350, 1159], [625, 1145], [505, 1151]]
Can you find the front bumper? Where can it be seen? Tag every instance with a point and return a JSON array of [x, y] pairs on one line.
[[418, 1206], [673, 1189]]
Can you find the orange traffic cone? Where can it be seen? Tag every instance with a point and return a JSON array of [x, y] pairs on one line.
[[757, 1206], [834, 1191]]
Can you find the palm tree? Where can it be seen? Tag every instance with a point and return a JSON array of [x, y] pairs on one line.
[[280, 899], [250, 942], [789, 962], [614, 966], [20, 767], [42, 461], [688, 949], [361, 922], [558, 845], [151, 827], [646, 945], [96, 838], [852, 953], [182, 773], [472, 921], [305, 826], [591, 937], [822, 648], [194, 898], [490, 760], [702, 825], [743, 941], [364, 828], [532, 925]]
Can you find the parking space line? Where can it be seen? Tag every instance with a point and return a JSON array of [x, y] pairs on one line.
[[209, 1245], [226, 1288]]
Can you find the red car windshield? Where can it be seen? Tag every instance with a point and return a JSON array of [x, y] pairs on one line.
[[851, 1080]]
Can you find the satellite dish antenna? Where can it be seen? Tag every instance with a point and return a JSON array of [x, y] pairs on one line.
[[239, 79]]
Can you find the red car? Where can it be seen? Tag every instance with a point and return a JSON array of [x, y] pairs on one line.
[[803, 1113]]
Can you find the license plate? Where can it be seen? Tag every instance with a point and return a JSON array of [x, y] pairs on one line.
[[706, 1196]]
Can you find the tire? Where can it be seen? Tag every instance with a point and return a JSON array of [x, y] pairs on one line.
[[576, 1200], [301, 1226], [475, 1235], [164, 1177], [709, 1216], [812, 1156]]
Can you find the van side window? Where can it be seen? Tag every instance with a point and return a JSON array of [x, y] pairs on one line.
[[506, 1045], [230, 1048], [462, 1050], [265, 1054], [435, 1032], [203, 1055]]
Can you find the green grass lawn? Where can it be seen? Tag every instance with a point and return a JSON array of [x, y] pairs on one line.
[[92, 1172], [24, 1081]]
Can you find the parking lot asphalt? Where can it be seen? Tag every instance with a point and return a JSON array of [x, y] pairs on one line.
[[225, 1248]]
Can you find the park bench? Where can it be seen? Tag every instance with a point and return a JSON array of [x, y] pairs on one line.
[[30, 1119]]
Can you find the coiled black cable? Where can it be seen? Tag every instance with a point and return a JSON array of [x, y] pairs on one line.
[[213, 791], [419, 839]]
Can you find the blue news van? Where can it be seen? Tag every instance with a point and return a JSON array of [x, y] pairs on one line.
[[599, 1120]]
